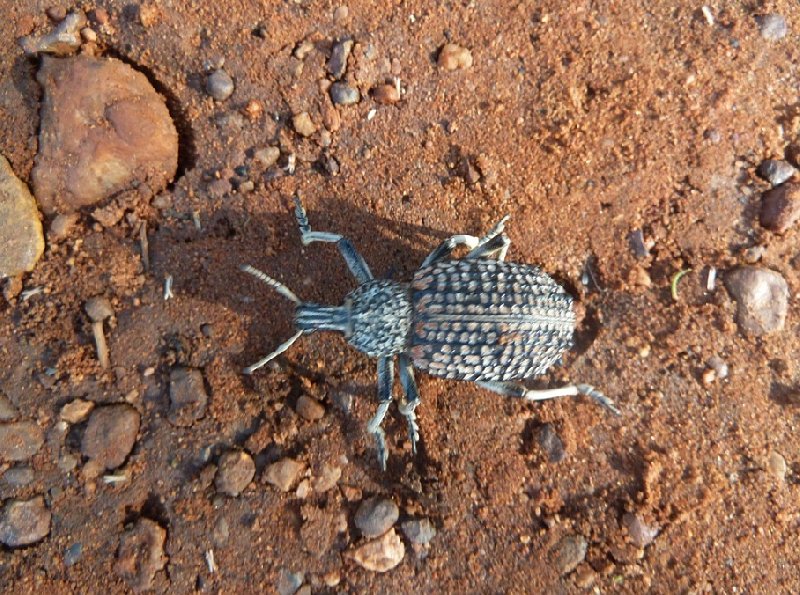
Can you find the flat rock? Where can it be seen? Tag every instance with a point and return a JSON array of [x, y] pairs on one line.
[[283, 473], [640, 533], [187, 396], [110, 434], [141, 554], [21, 237], [20, 440], [569, 552], [780, 207], [235, 470], [104, 129], [24, 522], [375, 516], [762, 297], [380, 555]]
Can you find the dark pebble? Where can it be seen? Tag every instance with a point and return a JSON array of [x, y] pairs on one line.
[[344, 94], [775, 171], [375, 516], [219, 85], [187, 396], [780, 207], [337, 65], [551, 443], [73, 553]]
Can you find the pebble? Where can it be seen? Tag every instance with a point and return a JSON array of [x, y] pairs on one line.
[[219, 85], [7, 409], [187, 396], [103, 130], [283, 474], [110, 435], [719, 366], [20, 440], [776, 465], [386, 94], [637, 244], [20, 229], [341, 14], [327, 479], [344, 94], [61, 226], [419, 531], [776, 171], [61, 41], [551, 443], [337, 64], [24, 522], [762, 297], [289, 582], [570, 552], [454, 57], [234, 472], [375, 516], [640, 533], [773, 26], [780, 207], [98, 308], [267, 157], [141, 554], [303, 125], [309, 409], [380, 555], [17, 477], [73, 553], [76, 411]]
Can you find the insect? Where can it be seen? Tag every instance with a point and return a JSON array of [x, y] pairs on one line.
[[478, 318]]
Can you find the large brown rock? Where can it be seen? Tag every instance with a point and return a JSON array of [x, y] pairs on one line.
[[104, 129]]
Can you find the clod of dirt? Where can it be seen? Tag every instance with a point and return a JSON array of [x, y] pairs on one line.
[[762, 299], [640, 533], [103, 129], [318, 530], [780, 207], [61, 41], [309, 409], [303, 125], [61, 226], [569, 552], [776, 171], [20, 440], [773, 26], [20, 229], [24, 522], [551, 443], [283, 474], [187, 396], [386, 94], [328, 477], [7, 409], [110, 435], [76, 411], [380, 555], [375, 516], [337, 65], [419, 531], [219, 85], [454, 57], [235, 470], [141, 554]]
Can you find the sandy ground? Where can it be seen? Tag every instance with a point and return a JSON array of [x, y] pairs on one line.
[[585, 121]]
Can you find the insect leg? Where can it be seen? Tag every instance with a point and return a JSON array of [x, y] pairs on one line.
[[495, 248], [411, 401], [444, 249], [355, 262], [513, 389], [385, 381]]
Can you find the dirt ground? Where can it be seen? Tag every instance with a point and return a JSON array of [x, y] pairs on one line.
[[585, 121]]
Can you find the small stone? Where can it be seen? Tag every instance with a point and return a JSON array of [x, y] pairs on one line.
[[56, 13], [98, 308], [219, 188], [375, 516], [386, 94], [148, 14], [380, 555], [76, 411], [61, 226], [20, 440], [187, 396], [283, 474], [762, 297], [776, 465], [776, 171], [110, 435], [328, 478], [773, 26], [309, 409], [267, 157], [303, 49], [141, 554], [7, 409], [454, 57], [219, 85], [584, 576], [341, 14], [73, 553], [61, 41], [88, 35], [234, 472], [289, 582], [780, 207], [303, 124], [20, 228], [24, 522], [419, 531], [221, 532], [17, 477], [569, 552], [551, 443], [337, 65], [344, 94], [637, 244], [719, 366], [640, 533]]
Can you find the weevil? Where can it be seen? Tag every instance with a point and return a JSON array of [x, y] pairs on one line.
[[477, 318]]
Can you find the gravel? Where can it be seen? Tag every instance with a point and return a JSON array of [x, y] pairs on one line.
[[141, 554], [419, 531], [776, 171], [187, 396], [283, 474], [309, 408], [344, 94], [234, 472], [110, 435], [219, 85], [780, 207], [375, 516], [20, 440], [762, 297], [570, 552], [551, 443], [380, 555], [773, 26], [337, 65], [24, 522], [640, 533], [454, 57], [20, 229]]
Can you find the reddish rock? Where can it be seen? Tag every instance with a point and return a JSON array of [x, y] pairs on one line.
[[780, 207]]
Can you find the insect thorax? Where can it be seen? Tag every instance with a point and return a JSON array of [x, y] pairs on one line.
[[380, 316]]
